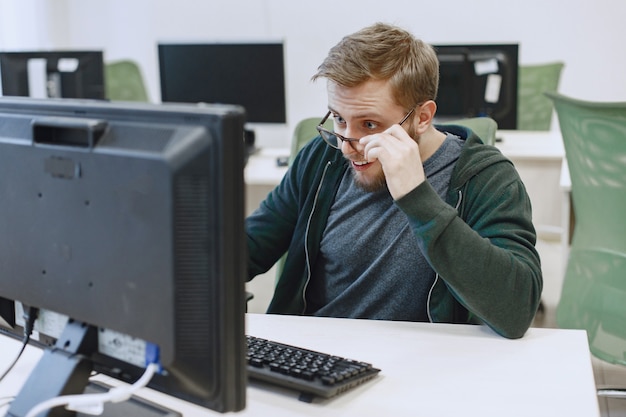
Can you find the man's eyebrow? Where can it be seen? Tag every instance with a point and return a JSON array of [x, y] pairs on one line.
[[357, 116]]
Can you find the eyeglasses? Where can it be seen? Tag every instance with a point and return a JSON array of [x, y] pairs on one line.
[[333, 139]]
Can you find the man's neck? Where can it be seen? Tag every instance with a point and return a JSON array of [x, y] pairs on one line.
[[429, 142]]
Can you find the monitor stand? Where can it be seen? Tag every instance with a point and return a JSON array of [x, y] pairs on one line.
[[64, 369]]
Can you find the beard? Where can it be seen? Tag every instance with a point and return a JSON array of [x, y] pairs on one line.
[[378, 183]]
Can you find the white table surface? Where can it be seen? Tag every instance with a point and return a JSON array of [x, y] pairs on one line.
[[427, 370], [262, 168], [540, 145]]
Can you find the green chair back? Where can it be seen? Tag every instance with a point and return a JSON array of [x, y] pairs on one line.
[[484, 127], [124, 82], [534, 109], [305, 131], [594, 288]]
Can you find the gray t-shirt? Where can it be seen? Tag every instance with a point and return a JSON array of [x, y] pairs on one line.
[[369, 264]]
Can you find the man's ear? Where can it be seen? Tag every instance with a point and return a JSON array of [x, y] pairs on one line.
[[424, 116]]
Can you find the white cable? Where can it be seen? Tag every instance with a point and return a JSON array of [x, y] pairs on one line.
[[94, 403]]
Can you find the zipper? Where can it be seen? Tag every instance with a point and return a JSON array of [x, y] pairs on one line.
[[430, 292], [306, 237]]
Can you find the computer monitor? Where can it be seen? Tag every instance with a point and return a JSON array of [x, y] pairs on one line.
[[124, 222], [478, 80], [248, 74], [52, 74]]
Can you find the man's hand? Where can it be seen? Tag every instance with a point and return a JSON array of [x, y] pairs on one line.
[[399, 156]]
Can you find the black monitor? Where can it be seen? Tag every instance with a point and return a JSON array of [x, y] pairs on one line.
[[478, 80], [124, 222], [53, 74], [248, 74]]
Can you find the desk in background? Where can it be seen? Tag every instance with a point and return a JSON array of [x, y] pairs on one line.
[[262, 174], [427, 369], [538, 157]]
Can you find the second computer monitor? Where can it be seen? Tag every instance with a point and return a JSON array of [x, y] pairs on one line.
[[248, 74], [478, 80], [53, 74]]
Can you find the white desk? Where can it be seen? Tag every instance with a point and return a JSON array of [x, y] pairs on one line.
[[427, 370], [262, 174], [262, 168], [538, 157], [527, 145]]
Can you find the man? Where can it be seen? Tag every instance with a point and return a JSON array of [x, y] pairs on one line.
[[391, 217]]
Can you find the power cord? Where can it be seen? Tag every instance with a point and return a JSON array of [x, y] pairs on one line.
[[94, 403], [30, 315], [4, 402]]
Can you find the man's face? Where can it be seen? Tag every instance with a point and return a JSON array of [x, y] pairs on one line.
[[360, 111]]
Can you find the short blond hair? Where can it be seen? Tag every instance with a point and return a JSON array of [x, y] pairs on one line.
[[385, 52]]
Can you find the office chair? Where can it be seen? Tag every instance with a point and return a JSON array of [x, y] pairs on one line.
[[484, 127], [305, 131], [593, 296], [534, 109], [124, 82]]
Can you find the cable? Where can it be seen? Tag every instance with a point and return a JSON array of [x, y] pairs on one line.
[[30, 315], [94, 403], [5, 401]]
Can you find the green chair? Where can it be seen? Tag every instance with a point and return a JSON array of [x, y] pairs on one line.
[[484, 127], [124, 82], [593, 296], [534, 109], [305, 131]]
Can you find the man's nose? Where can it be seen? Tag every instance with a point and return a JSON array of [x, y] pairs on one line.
[[351, 132], [350, 147]]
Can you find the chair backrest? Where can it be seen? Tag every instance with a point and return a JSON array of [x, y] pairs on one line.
[[124, 82], [594, 288], [484, 127], [304, 131], [534, 110]]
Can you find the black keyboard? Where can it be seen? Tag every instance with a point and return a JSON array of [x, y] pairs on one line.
[[309, 372]]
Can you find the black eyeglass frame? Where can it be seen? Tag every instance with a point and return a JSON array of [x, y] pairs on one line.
[[323, 131]]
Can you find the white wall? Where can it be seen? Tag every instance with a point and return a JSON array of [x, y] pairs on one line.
[[586, 35]]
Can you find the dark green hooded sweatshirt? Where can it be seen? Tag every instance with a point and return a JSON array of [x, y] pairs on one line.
[[480, 241]]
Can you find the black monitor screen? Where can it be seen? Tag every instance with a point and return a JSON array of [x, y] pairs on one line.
[[478, 80], [248, 74], [124, 222], [53, 74]]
